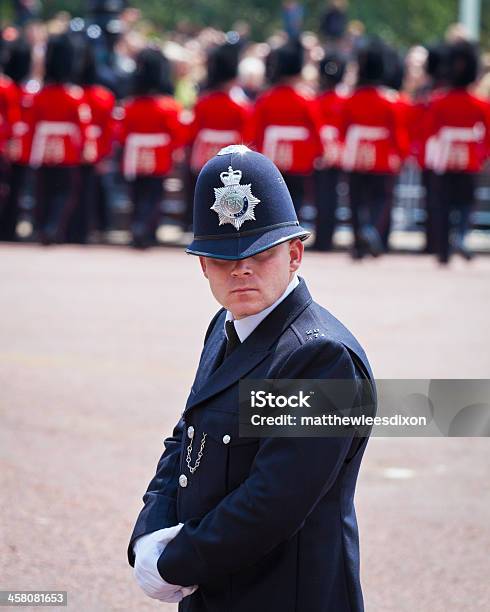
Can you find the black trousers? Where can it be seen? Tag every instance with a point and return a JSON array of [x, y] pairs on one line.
[[371, 201], [57, 196], [428, 181], [326, 200], [190, 179], [146, 194], [296, 185], [190, 182], [81, 219], [453, 202], [104, 184], [10, 202]]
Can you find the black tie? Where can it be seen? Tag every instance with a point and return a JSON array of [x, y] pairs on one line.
[[232, 338]]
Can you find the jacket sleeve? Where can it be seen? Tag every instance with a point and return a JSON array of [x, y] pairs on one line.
[[159, 509], [160, 499], [287, 479]]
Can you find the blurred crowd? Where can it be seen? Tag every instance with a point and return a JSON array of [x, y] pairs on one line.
[[82, 96]]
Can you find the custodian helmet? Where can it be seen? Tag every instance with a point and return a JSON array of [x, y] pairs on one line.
[[242, 206]]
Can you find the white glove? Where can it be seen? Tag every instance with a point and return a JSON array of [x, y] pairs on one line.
[[148, 549]]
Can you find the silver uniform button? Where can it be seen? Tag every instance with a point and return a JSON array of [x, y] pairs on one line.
[[190, 431], [226, 439], [183, 480]]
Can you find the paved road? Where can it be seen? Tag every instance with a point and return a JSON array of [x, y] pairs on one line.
[[98, 350]]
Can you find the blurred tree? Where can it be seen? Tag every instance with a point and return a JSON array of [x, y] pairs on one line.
[[403, 22], [51, 7], [406, 22]]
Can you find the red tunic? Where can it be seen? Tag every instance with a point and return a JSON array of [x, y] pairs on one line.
[[220, 119], [457, 132], [418, 127], [19, 145], [9, 110], [330, 105], [373, 132], [150, 130], [100, 133], [286, 128], [58, 120]]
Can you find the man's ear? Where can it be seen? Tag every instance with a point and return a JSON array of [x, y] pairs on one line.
[[296, 250], [202, 261]]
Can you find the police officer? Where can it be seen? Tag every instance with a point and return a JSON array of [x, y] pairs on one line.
[[245, 524]]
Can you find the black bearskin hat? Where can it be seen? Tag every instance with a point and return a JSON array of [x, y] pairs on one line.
[[436, 64], [18, 65], [332, 69], [462, 63], [86, 65], [60, 58], [394, 69], [222, 64], [152, 74], [370, 61], [285, 61]]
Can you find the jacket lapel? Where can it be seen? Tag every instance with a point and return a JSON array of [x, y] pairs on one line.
[[213, 355], [211, 380]]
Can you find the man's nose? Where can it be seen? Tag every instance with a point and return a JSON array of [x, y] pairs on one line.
[[241, 268]]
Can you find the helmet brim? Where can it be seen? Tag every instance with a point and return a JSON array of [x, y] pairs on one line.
[[245, 246]]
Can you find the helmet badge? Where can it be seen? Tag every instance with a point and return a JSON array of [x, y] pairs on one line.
[[234, 203]]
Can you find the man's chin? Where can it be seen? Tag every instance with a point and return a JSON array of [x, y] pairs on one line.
[[245, 307]]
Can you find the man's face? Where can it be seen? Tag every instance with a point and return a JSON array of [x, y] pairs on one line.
[[247, 286]]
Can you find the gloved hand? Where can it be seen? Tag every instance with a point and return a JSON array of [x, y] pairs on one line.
[[148, 549]]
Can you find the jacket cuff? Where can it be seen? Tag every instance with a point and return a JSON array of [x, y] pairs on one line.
[[180, 563], [159, 513]]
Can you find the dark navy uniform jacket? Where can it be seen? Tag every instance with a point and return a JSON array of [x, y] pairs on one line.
[[269, 523]]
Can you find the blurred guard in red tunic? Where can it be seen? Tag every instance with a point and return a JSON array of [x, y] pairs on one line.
[[15, 148], [99, 138], [58, 119], [330, 102], [393, 76], [285, 121], [436, 69], [8, 107], [9, 113], [221, 116], [373, 149], [150, 131], [459, 133]]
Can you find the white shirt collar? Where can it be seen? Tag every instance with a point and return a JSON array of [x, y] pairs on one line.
[[244, 327]]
